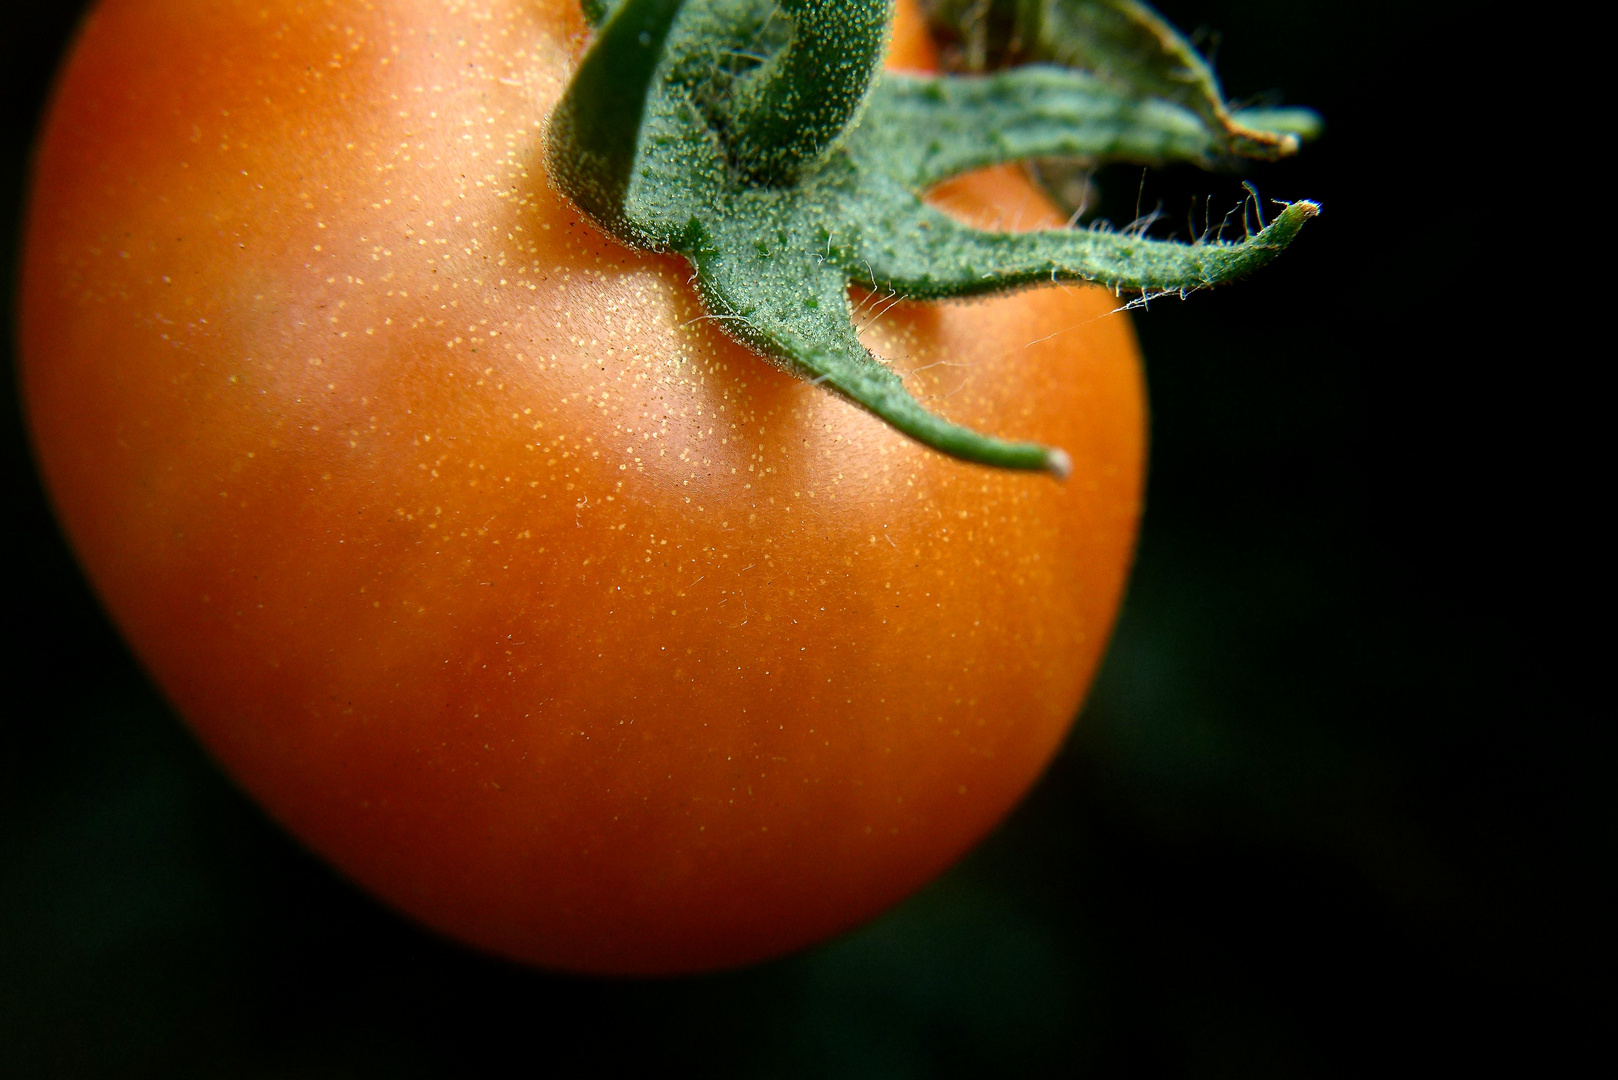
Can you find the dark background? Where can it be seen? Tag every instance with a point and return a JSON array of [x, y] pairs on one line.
[[1336, 806]]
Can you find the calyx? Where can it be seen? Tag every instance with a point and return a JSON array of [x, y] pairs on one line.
[[763, 141]]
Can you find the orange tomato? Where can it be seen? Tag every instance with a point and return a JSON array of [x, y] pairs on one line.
[[489, 567]]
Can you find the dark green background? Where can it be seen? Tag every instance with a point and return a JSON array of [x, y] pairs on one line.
[[1335, 808]]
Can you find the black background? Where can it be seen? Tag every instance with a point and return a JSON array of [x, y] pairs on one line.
[[1335, 808]]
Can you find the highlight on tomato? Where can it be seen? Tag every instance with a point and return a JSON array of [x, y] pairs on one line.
[[635, 512]]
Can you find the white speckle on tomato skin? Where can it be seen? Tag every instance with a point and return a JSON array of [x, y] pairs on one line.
[[446, 558]]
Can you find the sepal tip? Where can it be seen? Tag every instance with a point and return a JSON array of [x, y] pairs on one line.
[[1058, 463]]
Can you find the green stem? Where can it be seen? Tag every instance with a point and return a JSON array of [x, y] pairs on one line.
[[786, 114], [729, 131]]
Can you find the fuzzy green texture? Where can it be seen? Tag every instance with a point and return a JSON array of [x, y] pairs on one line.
[[783, 117], [1126, 45], [762, 141]]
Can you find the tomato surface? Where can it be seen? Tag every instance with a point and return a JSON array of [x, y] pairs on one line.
[[480, 558]]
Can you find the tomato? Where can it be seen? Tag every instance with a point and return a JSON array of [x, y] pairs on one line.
[[479, 557]]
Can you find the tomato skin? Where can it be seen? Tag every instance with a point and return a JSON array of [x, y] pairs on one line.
[[482, 561]]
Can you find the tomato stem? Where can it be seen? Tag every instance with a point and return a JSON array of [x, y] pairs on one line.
[[762, 141], [785, 115]]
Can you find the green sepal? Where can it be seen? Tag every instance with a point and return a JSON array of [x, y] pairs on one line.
[[596, 11], [1130, 47], [596, 127], [763, 142]]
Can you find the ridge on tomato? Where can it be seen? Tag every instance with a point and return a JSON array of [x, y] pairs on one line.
[[473, 548]]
